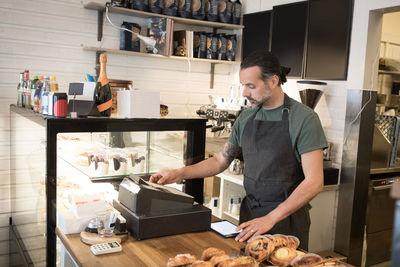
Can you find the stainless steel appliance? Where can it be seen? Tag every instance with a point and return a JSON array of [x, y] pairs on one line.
[[379, 218]]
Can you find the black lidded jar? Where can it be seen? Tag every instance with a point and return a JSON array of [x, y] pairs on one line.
[[221, 46], [185, 8], [155, 6], [236, 12], [198, 9], [211, 10], [142, 5], [230, 47], [170, 7], [212, 43], [225, 11]]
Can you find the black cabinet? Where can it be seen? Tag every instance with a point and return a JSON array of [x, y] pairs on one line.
[[312, 38], [256, 32], [328, 39], [288, 36]]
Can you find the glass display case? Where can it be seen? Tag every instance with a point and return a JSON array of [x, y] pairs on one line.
[[50, 156]]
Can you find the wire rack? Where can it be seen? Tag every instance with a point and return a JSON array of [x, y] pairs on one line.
[[389, 126]]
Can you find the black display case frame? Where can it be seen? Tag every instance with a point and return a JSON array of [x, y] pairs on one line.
[[195, 149]]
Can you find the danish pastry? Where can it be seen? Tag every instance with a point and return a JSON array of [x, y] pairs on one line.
[[210, 252], [181, 260], [306, 260], [280, 240], [244, 261], [260, 248], [282, 256], [293, 242]]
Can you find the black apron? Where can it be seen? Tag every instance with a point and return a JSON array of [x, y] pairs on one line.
[[272, 173]]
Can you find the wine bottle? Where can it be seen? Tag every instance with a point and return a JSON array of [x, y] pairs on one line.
[[102, 93]]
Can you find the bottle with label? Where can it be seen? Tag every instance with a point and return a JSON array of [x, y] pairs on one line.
[[27, 94], [44, 103], [20, 88], [102, 92], [37, 98], [53, 84], [26, 78], [33, 90]]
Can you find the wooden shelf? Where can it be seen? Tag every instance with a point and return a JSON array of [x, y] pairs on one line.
[[389, 72], [131, 53], [143, 14]]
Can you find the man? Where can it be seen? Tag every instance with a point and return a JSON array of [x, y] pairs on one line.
[[281, 141]]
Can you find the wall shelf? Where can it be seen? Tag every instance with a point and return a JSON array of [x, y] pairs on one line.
[[131, 53], [144, 14]]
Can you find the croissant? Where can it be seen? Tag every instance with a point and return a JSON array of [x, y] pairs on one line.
[[210, 252], [215, 260], [181, 260], [260, 248], [201, 264], [283, 256]]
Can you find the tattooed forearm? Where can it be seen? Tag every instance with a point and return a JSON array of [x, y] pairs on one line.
[[230, 151]]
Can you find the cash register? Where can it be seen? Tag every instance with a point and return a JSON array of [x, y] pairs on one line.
[[153, 210]]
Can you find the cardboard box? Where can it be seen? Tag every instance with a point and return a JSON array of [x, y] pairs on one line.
[[138, 104], [212, 186]]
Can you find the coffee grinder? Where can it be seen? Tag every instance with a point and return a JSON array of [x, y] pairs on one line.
[[310, 92]]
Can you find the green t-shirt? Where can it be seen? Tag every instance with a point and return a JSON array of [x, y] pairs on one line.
[[305, 128]]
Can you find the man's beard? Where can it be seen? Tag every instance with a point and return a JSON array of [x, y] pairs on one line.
[[256, 103]]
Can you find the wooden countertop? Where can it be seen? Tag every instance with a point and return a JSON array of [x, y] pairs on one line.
[[149, 252]]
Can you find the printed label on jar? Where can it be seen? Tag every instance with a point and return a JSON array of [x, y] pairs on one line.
[[196, 4]]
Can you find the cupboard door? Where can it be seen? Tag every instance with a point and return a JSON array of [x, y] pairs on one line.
[[256, 32], [328, 39], [289, 24]]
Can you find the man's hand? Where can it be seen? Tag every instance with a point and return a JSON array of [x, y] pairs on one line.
[[165, 177], [254, 228]]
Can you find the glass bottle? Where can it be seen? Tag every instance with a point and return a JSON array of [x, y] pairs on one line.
[[102, 93], [33, 90], [20, 88], [53, 84]]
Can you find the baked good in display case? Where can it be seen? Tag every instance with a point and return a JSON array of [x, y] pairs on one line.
[[201, 264], [181, 260]]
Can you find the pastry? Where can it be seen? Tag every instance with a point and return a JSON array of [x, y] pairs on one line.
[[181, 260], [299, 252], [306, 260], [244, 261], [283, 256], [210, 252], [293, 241], [260, 248], [219, 258], [201, 264], [280, 240]]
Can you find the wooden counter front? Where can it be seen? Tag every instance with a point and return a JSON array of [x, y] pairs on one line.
[[149, 252]]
